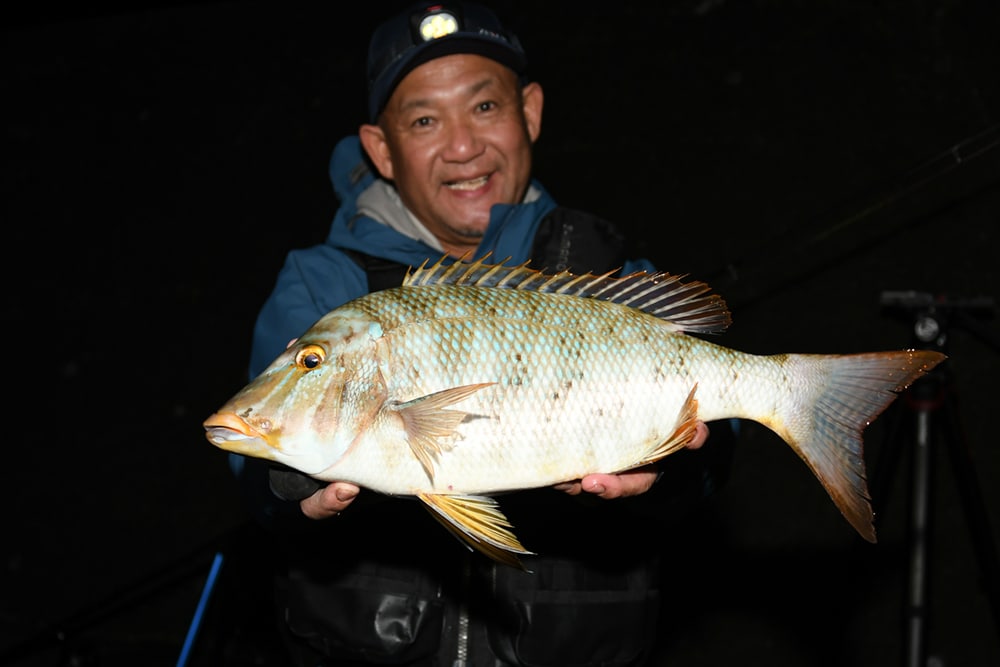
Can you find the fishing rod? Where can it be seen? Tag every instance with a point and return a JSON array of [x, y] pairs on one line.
[[776, 264], [931, 403]]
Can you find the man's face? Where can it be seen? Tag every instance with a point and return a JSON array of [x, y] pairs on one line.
[[456, 138]]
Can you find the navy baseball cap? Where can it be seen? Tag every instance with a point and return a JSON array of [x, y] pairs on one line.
[[430, 30]]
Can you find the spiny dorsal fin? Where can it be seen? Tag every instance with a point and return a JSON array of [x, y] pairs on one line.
[[689, 306]]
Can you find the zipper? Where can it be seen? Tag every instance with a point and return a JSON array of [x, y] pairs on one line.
[[462, 625]]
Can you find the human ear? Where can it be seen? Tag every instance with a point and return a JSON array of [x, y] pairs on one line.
[[532, 99], [373, 140]]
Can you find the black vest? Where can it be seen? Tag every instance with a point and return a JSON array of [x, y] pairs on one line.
[[566, 239]]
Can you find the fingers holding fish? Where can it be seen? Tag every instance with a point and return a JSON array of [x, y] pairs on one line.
[[621, 485], [629, 483], [329, 501]]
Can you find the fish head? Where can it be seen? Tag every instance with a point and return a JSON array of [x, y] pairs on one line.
[[301, 410]]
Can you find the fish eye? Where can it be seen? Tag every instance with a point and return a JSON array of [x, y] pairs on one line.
[[310, 356]]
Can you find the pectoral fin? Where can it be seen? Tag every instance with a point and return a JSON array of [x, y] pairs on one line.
[[477, 521], [687, 425], [427, 421]]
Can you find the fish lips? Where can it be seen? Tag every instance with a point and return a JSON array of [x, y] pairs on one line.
[[231, 433], [227, 431]]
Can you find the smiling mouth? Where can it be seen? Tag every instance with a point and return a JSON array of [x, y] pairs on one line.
[[468, 185]]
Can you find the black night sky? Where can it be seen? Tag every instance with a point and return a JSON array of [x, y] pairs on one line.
[[803, 158]]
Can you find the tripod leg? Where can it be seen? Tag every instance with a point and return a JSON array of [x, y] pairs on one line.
[[920, 532], [974, 507]]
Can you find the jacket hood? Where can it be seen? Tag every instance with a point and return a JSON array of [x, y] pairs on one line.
[[371, 218]]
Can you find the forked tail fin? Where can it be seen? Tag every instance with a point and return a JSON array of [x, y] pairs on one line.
[[825, 422]]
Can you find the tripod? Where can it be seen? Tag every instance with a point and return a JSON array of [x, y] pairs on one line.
[[926, 416]]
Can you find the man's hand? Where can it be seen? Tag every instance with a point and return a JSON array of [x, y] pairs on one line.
[[329, 501], [629, 483]]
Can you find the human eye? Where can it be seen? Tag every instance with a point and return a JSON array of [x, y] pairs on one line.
[[422, 121]]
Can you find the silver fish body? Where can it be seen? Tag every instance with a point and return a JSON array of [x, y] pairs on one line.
[[475, 379]]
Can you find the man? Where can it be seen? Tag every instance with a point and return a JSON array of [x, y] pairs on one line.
[[452, 121]]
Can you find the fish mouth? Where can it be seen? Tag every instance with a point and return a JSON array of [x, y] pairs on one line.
[[227, 431]]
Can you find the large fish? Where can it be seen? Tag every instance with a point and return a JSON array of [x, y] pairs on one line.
[[473, 379]]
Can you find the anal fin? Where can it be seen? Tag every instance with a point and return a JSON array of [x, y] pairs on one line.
[[687, 426]]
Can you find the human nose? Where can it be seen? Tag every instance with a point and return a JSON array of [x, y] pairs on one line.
[[462, 141]]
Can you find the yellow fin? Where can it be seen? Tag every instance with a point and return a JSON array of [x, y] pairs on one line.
[[478, 522], [687, 425], [426, 420]]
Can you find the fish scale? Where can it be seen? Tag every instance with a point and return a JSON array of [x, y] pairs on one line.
[[533, 413], [475, 379]]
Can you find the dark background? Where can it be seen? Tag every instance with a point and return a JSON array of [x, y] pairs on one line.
[[802, 157]]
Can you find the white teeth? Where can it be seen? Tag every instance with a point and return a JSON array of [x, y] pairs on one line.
[[469, 185]]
